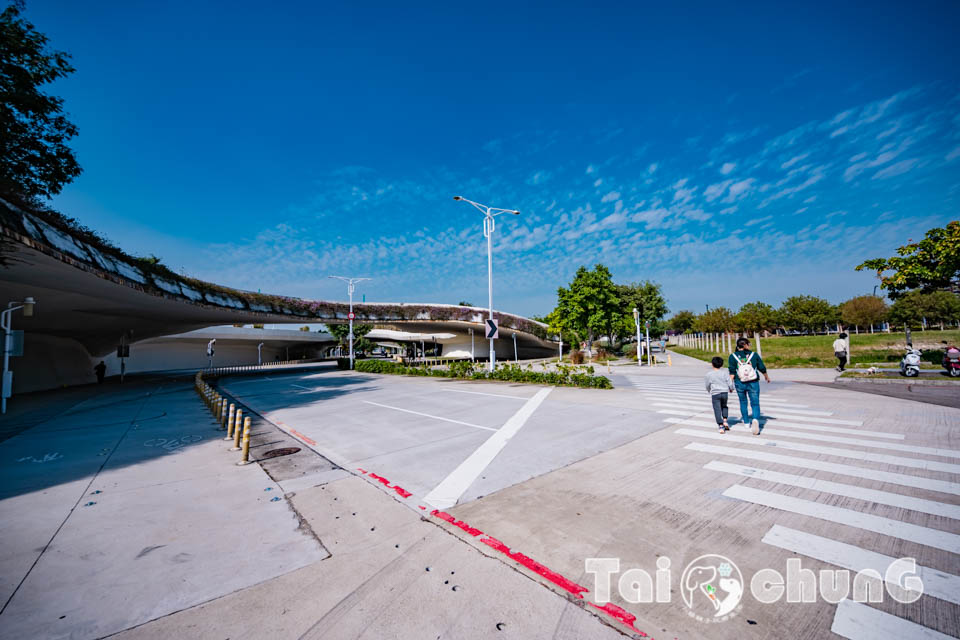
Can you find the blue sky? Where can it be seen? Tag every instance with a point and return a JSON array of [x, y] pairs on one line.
[[730, 153]]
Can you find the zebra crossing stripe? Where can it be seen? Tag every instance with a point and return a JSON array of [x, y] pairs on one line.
[[707, 413], [860, 442], [700, 395], [856, 621], [868, 522], [937, 584], [916, 463], [778, 414], [840, 489], [902, 479], [802, 412]]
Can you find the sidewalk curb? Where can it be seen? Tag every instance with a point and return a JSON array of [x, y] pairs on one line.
[[906, 381]]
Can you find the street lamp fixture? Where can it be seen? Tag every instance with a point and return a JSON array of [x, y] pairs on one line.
[[489, 224], [6, 317], [351, 285], [636, 321]]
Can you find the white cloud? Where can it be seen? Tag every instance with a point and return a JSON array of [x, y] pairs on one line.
[[714, 191], [728, 167], [750, 223], [538, 178], [739, 189], [610, 197], [953, 155], [598, 182], [591, 169], [794, 160], [652, 168], [896, 169]]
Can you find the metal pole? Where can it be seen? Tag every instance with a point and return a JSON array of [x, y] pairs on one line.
[[350, 318], [636, 321], [488, 227], [5, 321], [515, 358], [649, 353], [471, 346], [259, 357]]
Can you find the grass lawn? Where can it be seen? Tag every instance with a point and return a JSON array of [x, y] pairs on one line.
[[817, 351]]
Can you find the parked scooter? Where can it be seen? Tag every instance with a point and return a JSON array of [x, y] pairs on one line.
[[910, 364], [951, 361]]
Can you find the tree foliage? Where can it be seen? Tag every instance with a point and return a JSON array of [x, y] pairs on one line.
[[341, 331], [756, 317], [589, 307], [808, 312], [863, 311], [33, 128], [682, 321], [647, 298], [717, 320], [933, 263]]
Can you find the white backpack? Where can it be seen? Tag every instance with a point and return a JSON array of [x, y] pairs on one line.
[[745, 370]]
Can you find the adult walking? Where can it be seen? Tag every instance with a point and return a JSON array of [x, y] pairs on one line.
[[840, 350], [745, 368], [101, 371]]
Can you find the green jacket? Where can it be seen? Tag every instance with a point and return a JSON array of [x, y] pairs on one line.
[[756, 361]]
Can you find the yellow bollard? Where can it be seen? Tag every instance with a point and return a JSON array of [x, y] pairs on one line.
[[229, 423], [237, 432], [235, 424], [245, 454], [221, 423], [669, 360]]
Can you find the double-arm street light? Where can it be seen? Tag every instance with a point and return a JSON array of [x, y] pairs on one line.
[[351, 285], [489, 225], [6, 317]]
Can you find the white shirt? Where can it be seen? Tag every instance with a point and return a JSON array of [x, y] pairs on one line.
[[839, 345]]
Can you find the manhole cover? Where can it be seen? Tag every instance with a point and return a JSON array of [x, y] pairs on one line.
[[276, 453]]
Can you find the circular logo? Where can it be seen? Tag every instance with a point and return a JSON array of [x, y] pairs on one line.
[[712, 587]]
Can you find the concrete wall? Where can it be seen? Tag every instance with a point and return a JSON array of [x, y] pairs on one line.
[[163, 355], [49, 362]]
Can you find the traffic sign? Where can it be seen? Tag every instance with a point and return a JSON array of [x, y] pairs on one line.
[[493, 328], [351, 315]]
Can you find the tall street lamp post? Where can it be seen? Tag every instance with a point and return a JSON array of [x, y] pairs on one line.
[[489, 225], [6, 317], [351, 285]]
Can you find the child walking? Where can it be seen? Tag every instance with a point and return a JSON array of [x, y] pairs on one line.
[[718, 384]]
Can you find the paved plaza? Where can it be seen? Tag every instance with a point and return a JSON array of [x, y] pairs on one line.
[[419, 507]]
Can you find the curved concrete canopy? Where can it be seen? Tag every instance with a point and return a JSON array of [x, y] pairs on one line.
[[92, 294]]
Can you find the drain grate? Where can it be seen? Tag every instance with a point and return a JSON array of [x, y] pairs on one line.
[[276, 453]]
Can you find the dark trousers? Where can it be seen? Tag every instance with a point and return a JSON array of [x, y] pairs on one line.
[[720, 411], [842, 357]]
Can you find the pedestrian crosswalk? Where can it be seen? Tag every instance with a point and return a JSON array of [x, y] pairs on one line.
[[800, 443]]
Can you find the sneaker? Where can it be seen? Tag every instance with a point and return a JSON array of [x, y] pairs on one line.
[[755, 427], [721, 429], [726, 426]]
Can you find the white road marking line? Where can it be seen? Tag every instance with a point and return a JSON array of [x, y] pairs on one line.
[[448, 492], [857, 621], [708, 413], [916, 463], [866, 521], [427, 415], [817, 437], [481, 393], [902, 479], [302, 387], [840, 489], [938, 584]]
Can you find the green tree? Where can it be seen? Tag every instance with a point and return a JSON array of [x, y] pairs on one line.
[[906, 310], [940, 307], [341, 331], [717, 320], [756, 317], [33, 128], [589, 306], [808, 312], [864, 311], [928, 265], [682, 321], [647, 298]]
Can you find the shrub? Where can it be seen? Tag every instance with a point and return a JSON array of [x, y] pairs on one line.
[[343, 363], [576, 356], [563, 376]]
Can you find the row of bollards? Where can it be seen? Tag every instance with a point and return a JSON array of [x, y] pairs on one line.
[[228, 416], [241, 368]]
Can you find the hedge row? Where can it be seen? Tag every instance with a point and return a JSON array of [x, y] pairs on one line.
[[564, 376]]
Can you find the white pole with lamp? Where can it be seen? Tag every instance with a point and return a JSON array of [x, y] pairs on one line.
[[351, 285], [6, 318], [488, 226], [259, 358]]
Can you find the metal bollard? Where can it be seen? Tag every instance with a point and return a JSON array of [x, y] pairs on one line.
[[669, 360], [229, 423], [237, 432], [221, 423], [245, 453], [235, 424]]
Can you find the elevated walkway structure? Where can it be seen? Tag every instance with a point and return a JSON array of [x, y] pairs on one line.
[[91, 296]]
